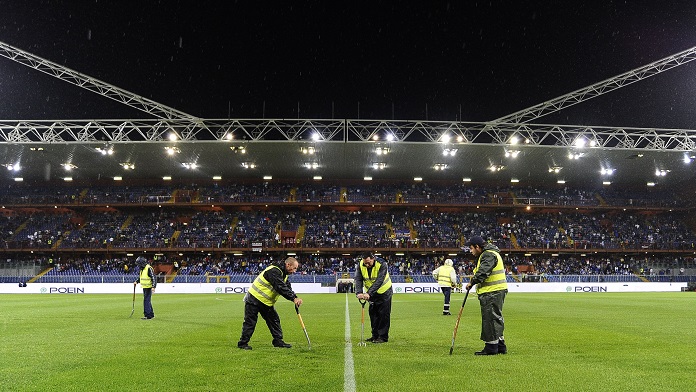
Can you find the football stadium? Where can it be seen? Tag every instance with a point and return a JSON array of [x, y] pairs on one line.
[[131, 248]]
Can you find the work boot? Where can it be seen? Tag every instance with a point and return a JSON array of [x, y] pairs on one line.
[[502, 348], [280, 343], [490, 349]]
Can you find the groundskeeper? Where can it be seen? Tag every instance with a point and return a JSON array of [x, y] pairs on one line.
[[148, 281], [262, 296], [447, 280], [491, 288], [372, 276]]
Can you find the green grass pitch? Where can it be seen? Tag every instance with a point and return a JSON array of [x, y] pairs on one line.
[[557, 342]]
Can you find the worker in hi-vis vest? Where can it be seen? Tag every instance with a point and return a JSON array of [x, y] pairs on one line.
[[491, 288], [148, 281], [372, 274], [262, 295], [447, 279]]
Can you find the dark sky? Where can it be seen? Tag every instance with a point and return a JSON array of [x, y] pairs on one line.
[[462, 60]]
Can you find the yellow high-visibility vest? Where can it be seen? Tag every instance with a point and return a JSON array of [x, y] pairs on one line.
[[369, 280], [496, 280], [443, 276], [145, 280], [262, 289]]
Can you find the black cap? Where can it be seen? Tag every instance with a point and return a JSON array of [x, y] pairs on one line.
[[475, 240], [141, 261]]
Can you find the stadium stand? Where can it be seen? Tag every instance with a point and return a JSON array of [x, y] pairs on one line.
[[87, 231]]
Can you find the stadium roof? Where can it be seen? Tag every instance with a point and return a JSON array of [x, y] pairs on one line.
[[182, 146], [348, 160]]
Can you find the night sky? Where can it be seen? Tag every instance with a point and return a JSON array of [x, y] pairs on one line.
[[470, 61]]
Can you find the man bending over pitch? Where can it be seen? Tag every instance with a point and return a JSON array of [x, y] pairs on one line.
[[262, 295]]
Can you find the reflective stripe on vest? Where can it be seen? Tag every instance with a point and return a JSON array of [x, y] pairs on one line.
[[496, 280], [369, 280], [443, 276], [145, 280], [263, 290]]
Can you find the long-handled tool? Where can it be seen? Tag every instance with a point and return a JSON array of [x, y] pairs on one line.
[[133, 309], [299, 316], [454, 334], [362, 324]]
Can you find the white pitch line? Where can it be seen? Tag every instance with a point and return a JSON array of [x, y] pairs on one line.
[[348, 367]]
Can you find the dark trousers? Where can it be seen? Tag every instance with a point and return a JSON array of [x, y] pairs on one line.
[[147, 303], [380, 319], [492, 321], [252, 309], [447, 291]]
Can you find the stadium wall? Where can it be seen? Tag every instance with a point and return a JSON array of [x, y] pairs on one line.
[[305, 288]]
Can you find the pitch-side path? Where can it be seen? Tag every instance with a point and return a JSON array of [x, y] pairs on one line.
[[348, 368]]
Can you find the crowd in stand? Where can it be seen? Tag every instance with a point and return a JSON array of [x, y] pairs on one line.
[[601, 231], [420, 228], [414, 266], [415, 227], [415, 193], [601, 265]]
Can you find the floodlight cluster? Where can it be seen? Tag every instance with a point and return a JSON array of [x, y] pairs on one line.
[[172, 150], [106, 150], [512, 153], [382, 150], [308, 150]]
